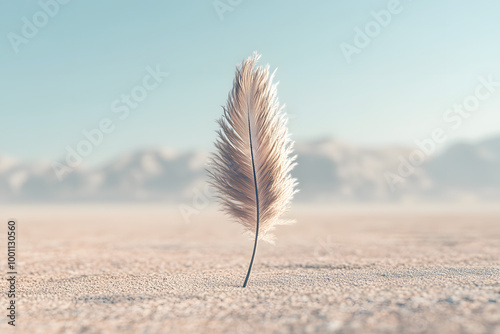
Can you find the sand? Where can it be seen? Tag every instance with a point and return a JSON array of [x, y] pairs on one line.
[[144, 269]]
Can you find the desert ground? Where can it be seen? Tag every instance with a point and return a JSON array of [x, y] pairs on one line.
[[146, 269]]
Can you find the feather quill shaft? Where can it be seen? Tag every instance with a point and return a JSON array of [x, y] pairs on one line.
[[256, 204], [251, 166]]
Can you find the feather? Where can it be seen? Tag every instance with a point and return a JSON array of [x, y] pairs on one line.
[[251, 168]]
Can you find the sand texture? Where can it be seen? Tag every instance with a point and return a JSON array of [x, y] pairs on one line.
[[143, 269]]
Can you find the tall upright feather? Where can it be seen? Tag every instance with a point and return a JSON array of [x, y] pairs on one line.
[[253, 160]]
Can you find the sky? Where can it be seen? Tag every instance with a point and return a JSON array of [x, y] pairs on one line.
[[66, 73]]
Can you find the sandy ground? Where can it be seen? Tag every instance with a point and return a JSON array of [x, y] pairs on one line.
[[143, 269]]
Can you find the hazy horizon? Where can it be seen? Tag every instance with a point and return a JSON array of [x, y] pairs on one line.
[[327, 170], [67, 75], [104, 160]]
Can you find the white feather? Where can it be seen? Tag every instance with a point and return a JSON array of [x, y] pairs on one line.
[[253, 136]]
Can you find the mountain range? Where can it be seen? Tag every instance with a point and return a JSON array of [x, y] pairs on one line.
[[327, 170]]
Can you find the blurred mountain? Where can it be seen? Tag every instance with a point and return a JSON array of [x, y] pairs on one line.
[[468, 169], [327, 170]]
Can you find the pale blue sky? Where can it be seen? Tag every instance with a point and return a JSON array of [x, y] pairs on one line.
[[65, 78]]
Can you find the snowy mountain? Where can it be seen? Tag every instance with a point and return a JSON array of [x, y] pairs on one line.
[[327, 170]]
